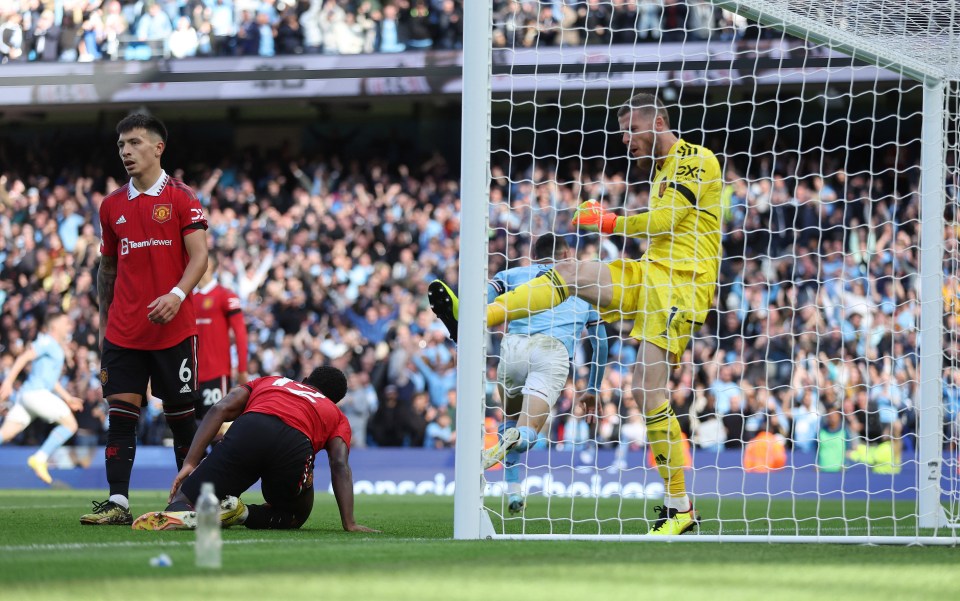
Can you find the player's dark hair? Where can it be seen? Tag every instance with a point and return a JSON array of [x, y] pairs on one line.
[[142, 121], [46, 316], [648, 104], [548, 246], [214, 260], [328, 380]]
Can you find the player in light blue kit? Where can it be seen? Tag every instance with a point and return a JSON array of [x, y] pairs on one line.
[[535, 361], [36, 396]]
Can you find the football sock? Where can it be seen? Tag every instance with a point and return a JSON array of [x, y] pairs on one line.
[[528, 438], [121, 446], [265, 517], [666, 443], [183, 424], [511, 471], [54, 441], [539, 294], [120, 500]]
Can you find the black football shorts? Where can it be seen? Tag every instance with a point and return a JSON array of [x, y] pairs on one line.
[[171, 372]]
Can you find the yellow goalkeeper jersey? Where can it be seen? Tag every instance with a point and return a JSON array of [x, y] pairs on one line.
[[683, 222]]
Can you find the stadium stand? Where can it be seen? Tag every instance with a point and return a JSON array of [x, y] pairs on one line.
[[95, 30]]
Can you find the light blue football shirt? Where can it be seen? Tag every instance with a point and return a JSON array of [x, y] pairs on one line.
[[47, 366], [564, 322]]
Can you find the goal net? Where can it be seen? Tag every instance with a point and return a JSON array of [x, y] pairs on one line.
[[819, 399]]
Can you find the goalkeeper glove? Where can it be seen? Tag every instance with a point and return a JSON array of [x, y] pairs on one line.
[[592, 217]]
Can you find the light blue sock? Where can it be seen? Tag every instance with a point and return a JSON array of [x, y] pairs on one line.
[[56, 439], [511, 472], [528, 438]]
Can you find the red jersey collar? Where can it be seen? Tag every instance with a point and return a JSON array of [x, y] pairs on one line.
[[154, 190]]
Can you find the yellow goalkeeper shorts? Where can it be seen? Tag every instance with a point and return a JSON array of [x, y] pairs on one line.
[[666, 305]]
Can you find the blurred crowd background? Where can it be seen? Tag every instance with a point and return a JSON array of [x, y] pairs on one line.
[[95, 30], [815, 328]]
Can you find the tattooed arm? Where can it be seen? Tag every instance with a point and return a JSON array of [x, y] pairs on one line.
[[106, 277]]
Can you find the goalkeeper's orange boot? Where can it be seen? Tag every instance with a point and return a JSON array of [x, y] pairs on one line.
[[445, 305], [674, 523]]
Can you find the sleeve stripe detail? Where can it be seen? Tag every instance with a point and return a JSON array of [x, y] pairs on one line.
[[233, 312], [499, 286], [685, 192], [195, 226], [557, 285], [690, 196]]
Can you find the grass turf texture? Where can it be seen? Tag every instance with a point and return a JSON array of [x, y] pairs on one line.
[[46, 554]]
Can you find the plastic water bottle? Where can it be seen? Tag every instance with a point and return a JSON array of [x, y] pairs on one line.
[[208, 543]]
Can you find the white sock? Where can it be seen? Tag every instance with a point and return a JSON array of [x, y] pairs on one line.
[[120, 500], [681, 504], [41, 456]]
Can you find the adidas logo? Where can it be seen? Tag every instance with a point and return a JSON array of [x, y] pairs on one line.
[[660, 458], [121, 221], [186, 388]]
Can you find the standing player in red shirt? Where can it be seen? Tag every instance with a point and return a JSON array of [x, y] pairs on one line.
[[153, 249], [218, 310], [280, 427]]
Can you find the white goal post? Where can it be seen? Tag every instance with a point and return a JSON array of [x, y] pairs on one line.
[[874, 88]]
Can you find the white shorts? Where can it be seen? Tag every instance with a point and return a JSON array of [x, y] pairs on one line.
[[39, 404], [537, 365]]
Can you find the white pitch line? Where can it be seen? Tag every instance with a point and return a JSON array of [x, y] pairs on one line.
[[9, 507], [175, 543]]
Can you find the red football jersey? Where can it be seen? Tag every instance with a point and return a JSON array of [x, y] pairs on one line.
[[218, 310], [299, 406], [145, 232]]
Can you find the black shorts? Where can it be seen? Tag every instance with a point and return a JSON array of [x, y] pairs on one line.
[[171, 372], [257, 447], [211, 392]]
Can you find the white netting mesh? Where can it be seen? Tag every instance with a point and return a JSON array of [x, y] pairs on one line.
[[810, 347], [925, 32]]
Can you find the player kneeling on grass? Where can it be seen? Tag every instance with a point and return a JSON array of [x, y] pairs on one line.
[[278, 428]]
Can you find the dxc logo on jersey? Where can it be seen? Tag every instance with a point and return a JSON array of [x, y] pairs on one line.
[[126, 245]]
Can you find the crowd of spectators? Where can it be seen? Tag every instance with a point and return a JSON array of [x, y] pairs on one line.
[[815, 329], [93, 30]]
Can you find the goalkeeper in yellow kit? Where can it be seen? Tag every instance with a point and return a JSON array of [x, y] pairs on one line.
[[667, 292]]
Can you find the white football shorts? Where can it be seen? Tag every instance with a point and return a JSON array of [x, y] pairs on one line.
[[537, 365], [39, 404]]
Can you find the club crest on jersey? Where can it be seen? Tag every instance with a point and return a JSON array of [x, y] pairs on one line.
[[103, 376], [162, 213], [208, 303], [663, 189]]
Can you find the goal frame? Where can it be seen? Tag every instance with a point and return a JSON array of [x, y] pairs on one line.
[[471, 519]]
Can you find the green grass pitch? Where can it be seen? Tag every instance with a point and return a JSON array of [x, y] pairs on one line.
[[46, 554]]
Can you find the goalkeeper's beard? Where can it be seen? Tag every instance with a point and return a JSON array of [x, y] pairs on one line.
[[645, 163], [645, 167]]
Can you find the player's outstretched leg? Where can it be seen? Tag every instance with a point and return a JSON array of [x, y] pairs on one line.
[[64, 431], [179, 515], [445, 305]]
